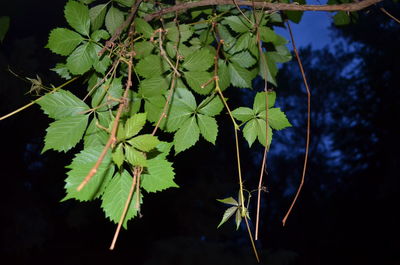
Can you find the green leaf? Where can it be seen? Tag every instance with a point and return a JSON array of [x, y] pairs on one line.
[[134, 157], [261, 134], [77, 16], [134, 124], [277, 119], [100, 34], [229, 200], [181, 35], [64, 134], [295, 16], [268, 35], [95, 136], [159, 176], [200, 60], [341, 18], [4, 25], [118, 155], [82, 59], [62, 70], [143, 49], [243, 114], [87, 1], [229, 41], [97, 15], [179, 111], [198, 79], [144, 142], [227, 214], [187, 135], [111, 88], [114, 19], [260, 100], [237, 23], [223, 75], [250, 131], [62, 104], [154, 86], [143, 27], [243, 59], [243, 42], [127, 3], [150, 66], [208, 127], [213, 106], [80, 167], [240, 77], [115, 196], [63, 41], [238, 219]]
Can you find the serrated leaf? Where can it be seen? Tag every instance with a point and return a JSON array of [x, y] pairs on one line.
[[62, 104], [94, 136], [150, 66], [144, 142], [213, 107], [243, 42], [200, 60], [196, 80], [229, 200], [77, 16], [243, 59], [114, 19], [160, 176], [260, 100], [223, 75], [100, 34], [229, 41], [115, 196], [118, 155], [250, 131], [111, 88], [155, 86], [63, 41], [64, 134], [134, 157], [237, 23], [277, 119], [134, 124], [208, 127], [154, 106], [143, 27], [240, 77], [187, 135], [82, 59], [262, 132], [181, 35], [97, 15], [62, 70], [80, 167], [243, 114], [127, 3], [227, 214], [143, 49]]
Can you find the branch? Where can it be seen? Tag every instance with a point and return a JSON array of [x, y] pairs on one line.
[[356, 6]]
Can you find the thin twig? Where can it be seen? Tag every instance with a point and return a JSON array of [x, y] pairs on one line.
[[308, 124], [241, 12], [136, 174], [389, 15], [251, 239], [350, 7]]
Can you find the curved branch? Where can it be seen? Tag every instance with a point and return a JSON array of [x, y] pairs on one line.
[[267, 5]]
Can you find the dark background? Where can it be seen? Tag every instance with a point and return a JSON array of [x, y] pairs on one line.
[[346, 214]]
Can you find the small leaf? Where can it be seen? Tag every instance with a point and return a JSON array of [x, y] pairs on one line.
[[62, 70], [144, 142], [181, 35], [277, 119], [243, 114], [262, 132], [150, 66], [134, 124], [250, 131], [238, 219], [62, 104], [196, 81], [227, 214], [127, 3], [143, 27], [64, 134], [341, 18], [114, 19], [200, 60], [115, 196], [97, 15], [229, 200], [82, 59], [208, 127], [213, 107], [134, 157], [160, 176], [243, 59], [63, 41], [77, 16], [118, 155], [240, 77], [100, 34], [143, 49], [80, 167], [187, 135], [260, 100], [95, 136], [237, 23]]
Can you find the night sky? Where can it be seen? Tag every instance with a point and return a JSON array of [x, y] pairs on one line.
[[346, 214]]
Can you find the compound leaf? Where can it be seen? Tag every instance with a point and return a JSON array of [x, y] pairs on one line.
[[159, 176], [227, 214], [82, 59], [77, 16], [144, 142], [63, 41], [200, 60], [114, 19], [187, 135], [208, 127]]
